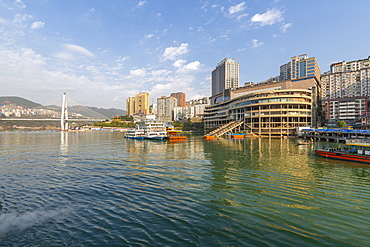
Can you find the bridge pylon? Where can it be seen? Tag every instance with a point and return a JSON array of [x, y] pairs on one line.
[[64, 116]]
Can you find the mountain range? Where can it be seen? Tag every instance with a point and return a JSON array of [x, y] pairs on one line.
[[88, 111]]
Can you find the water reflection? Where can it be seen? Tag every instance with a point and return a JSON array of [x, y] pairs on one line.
[[129, 192], [261, 154], [63, 143]]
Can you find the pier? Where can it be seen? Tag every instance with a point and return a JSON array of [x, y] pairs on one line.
[[334, 135]]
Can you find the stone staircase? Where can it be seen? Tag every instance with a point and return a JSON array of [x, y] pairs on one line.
[[224, 129]]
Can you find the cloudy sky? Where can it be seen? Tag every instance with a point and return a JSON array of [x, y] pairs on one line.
[[102, 51]]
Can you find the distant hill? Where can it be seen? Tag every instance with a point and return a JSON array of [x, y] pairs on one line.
[[92, 112], [95, 112], [18, 101], [87, 111]]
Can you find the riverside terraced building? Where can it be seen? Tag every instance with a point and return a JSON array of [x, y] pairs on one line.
[[269, 113], [271, 108]]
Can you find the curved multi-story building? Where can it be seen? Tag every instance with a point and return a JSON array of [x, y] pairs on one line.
[[271, 113]]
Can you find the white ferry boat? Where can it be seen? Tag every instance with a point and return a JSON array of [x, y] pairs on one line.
[[135, 134], [153, 129]]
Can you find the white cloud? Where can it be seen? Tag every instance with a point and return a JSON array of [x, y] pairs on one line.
[[37, 25], [72, 50], [141, 3], [20, 4], [285, 27], [256, 43], [193, 66], [78, 49], [149, 36], [19, 19], [29, 75], [270, 17], [64, 55], [3, 21], [179, 63], [236, 8], [161, 72], [241, 16], [138, 72], [171, 53], [122, 59]]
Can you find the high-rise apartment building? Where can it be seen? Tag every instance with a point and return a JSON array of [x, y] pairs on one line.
[[285, 72], [345, 90], [165, 107], [304, 67], [181, 98], [138, 104], [345, 109], [225, 76], [130, 106], [346, 79], [350, 66]]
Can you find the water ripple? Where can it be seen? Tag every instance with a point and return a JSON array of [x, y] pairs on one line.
[[101, 189]]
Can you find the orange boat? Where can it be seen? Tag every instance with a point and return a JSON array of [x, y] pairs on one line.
[[209, 137], [237, 136], [175, 135]]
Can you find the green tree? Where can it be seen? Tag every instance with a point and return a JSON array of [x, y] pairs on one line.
[[194, 126], [178, 124], [126, 118], [115, 124], [341, 124]]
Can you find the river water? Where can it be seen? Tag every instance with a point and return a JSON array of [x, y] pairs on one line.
[[100, 189]]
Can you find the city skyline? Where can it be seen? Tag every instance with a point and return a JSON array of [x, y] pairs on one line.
[[101, 53]]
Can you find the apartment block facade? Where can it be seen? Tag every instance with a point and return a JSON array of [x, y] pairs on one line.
[[285, 72], [350, 66], [138, 104], [345, 90], [130, 106], [165, 107], [346, 79], [300, 67], [225, 76], [303, 66], [194, 109], [181, 98], [345, 109]]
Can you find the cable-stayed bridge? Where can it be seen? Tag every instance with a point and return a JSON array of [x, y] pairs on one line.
[[64, 120], [52, 119]]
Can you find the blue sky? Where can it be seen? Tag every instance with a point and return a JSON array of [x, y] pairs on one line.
[[101, 52]]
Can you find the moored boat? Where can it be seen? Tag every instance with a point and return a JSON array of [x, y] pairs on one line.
[[153, 129], [355, 150], [237, 136], [135, 134], [176, 135]]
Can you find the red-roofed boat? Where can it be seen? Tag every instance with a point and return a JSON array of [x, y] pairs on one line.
[[356, 150]]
